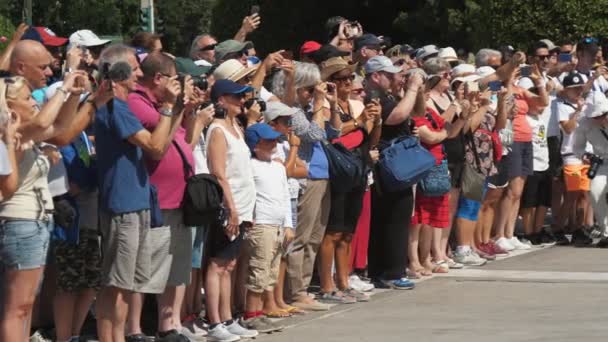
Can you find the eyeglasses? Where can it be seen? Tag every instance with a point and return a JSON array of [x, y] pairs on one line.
[[399, 62], [344, 78], [543, 57], [208, 47]]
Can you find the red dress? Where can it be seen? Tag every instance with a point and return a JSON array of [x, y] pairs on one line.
[[432, 211]]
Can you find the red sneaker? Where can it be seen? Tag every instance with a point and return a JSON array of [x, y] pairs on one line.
[[482, 252], [497, 250], [486, 248]]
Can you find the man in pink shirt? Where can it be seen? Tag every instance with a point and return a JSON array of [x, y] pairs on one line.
[[172, 242]]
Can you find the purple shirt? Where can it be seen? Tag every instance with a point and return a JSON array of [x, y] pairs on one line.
[[168, 173]]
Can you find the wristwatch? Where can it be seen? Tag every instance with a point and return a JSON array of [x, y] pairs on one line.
[[164, 111]]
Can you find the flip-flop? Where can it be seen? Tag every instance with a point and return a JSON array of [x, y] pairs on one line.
[[295, 311], [413, 274], [423, 272], [439, 268], [278, 314]]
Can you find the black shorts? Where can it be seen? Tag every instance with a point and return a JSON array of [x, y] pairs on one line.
[[537, 191], [501, 179], [555, 157], [345, 210], [219, 246], [456, 170], [521, 161]]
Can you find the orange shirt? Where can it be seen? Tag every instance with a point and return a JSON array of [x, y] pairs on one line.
[[522, 131]]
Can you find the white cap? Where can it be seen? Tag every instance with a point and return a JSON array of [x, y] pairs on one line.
[[468, 78], [526, 83], [426, 51], [86, 38], [597, 105], [463, 69], [485, 71], [448, 54]]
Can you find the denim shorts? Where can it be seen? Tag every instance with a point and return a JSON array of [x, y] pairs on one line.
[[199, 235], [468, 209], [24, 244]]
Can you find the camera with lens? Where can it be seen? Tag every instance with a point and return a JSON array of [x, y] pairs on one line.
[[200, 82], [595, 163], [251, 101]]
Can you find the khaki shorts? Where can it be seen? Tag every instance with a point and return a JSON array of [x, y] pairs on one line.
[[126, 252], [171, 247], [576, 179], [262, 245]]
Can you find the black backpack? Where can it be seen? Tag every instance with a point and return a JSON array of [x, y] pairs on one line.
[[346, 170], [203, 198]]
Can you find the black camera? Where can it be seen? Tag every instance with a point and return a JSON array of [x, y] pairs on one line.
[[200, 82], [220, 112], [595, 163], [250, 102]]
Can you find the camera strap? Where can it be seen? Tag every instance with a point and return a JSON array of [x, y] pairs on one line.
[[604, 133]]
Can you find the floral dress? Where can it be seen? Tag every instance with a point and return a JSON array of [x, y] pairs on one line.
[[482, 138]]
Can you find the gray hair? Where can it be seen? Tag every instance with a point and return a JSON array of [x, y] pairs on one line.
[[436, 65], [194, 46], [483, 55], [306, 75], [115, 53]]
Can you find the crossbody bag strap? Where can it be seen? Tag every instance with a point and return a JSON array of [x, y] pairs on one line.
[[604, 133], [187, 167]]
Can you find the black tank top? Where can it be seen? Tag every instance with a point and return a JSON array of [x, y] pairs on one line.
[[454, 147]]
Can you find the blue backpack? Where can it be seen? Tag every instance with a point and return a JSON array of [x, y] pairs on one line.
[[403, 163]]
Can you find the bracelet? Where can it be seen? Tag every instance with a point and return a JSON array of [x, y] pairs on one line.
[[66, 94], [356, 123], [92, 102], [168, 112]]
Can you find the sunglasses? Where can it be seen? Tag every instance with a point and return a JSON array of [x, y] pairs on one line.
[[344, 78], [236, 55], [543, 57], [399, 62], [208, 47]]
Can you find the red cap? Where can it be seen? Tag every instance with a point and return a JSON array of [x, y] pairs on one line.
[[308, 47], [48, 37]]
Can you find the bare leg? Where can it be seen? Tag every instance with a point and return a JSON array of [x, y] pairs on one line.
[[136, 304], [83, 304], [539, 219], [342, 260], [529, 220], [326, 259], [437, 252], [19, 295], [516, 187], [557, 195], [225, 309], [426, 240], [412, 250], [564, 213], [253, 303], [111, 314], [466, 232], [63, 307], [279, 297]]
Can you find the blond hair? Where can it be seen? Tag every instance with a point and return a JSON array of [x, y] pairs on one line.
[[9, 88]]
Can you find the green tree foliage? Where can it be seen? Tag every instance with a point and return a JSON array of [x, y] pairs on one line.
[[286, 24]]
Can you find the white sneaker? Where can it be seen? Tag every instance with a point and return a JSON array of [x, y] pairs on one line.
[[221, 334], [469, 258], [236, 329], [356, 283], [518, 245], [194, 331], [505, 244]]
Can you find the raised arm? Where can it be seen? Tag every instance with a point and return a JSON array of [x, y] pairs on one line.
[[404, 108]]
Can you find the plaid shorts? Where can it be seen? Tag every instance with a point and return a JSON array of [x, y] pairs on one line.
[[432, 211], [79, 266]]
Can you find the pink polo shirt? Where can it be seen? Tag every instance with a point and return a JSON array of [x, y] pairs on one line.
[[168, 173]]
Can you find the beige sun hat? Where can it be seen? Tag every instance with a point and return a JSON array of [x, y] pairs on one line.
[[233, 70]]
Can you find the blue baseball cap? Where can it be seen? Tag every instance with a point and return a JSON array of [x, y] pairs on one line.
[[223, 87], [257, 132]]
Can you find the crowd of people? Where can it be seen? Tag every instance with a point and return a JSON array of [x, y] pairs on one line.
[[226, 184]]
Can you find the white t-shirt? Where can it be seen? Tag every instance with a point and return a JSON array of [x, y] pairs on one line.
[[200, 156], [281, 153], [5, 163], [564, 111], [538, 123], [272, 202]]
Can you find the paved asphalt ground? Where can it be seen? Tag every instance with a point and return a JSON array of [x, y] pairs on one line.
[[549, 294]]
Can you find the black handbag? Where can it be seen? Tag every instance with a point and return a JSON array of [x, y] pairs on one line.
[[345, 168], [203, 198]]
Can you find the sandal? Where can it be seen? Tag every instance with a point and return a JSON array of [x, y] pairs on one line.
[[278, 314], [295, 311], [441, 268], [424, 272], [413, 274]]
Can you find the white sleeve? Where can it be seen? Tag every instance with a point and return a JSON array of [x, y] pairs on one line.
[[580, 138], [265, 94], [288, 222], [563, 112], [5, 163]]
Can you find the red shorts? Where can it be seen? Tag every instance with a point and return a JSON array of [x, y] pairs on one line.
[[432, 211]]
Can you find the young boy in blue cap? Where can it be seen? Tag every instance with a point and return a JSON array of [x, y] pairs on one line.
[[263, 241]]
